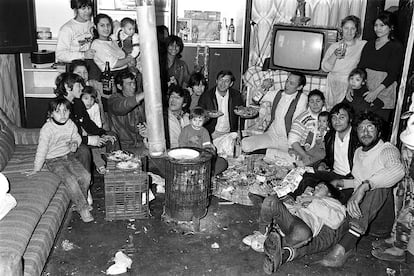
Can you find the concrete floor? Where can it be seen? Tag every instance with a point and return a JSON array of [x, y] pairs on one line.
[[160, 248]]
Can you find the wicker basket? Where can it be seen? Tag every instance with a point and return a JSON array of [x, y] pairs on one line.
[[125, 192]]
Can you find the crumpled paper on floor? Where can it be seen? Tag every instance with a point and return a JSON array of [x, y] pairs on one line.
[[121, 265]]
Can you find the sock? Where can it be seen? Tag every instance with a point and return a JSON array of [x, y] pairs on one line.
[[350, 239]]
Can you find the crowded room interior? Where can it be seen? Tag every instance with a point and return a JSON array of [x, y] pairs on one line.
[[188, 137]]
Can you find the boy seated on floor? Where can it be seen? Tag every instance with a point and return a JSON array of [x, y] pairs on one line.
[[301, 220]]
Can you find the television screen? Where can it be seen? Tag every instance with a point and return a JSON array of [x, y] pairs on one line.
[[300, 50]]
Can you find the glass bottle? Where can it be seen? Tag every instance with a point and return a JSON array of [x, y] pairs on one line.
[[107, 80], [223, 31], [230, 36]]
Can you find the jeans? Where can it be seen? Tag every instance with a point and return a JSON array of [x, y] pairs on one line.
[[74, 176], [84, 156]]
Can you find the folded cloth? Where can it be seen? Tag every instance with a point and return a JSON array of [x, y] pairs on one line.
[[7, 201]]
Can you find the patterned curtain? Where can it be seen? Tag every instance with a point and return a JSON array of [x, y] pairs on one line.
[[265, 13], [9, 100]]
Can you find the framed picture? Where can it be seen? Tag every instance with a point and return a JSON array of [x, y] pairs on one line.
[[184, 28]]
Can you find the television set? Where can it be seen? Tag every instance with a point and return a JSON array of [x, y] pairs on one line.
[[300, 48]]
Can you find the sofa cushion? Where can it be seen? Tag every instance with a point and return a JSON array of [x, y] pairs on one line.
[[22, 159], [33, 195], [6, 144]]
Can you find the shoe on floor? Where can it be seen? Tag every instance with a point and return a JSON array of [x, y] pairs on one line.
[[86, 215], [392, 254], [273, 253], [383, 243], [101, 170], [336, 257], [256, 241]]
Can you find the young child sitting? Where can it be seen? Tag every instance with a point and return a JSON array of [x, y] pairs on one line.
[[58, 141], [357, 82], [89, 99], [194, 134], [298, 221], [128, 40], [317, 152]]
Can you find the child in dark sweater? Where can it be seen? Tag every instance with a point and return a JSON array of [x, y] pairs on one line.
[[357, 82]]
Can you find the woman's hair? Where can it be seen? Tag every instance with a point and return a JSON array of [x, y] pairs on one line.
[[55, 103], [96, 20], [76, 63], [359, 71], [198, 112], [388, 19], [356, 21], [372, 117], [196, 78], [69, 79], [183, 93], [78, 4], [173, 38], [317, 92], [89, 90]]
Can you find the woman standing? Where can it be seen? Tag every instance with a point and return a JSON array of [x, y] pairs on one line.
[[107, 49], [178, 72], [340, 58], [382, 59], [75, 36]]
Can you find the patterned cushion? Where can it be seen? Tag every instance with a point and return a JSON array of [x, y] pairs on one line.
[[6, 144], [42, 240], [33, 196]]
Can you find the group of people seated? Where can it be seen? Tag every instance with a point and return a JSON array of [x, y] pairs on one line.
[[355, 168]]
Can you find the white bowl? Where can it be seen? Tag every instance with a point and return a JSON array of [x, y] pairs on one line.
[[183, 153]]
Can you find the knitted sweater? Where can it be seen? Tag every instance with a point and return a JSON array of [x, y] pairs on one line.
[[381, 165], [73, 40], [304, 124], [54, 141]]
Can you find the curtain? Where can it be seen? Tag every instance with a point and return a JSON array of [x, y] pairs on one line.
[[324, 13], [9, 100]]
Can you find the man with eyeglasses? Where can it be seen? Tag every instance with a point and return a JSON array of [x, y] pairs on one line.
[[222, 98], [377, 168]]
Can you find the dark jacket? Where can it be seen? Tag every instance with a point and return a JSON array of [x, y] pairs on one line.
[[330, 145], [208, 101]]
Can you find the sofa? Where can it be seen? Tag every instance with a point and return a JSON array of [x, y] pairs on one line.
[[28, 231]]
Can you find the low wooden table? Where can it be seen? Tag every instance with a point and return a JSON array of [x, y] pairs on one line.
[[126, 193]]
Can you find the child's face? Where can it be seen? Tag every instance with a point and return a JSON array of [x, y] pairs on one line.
[[199, 89], [129, 29], [61, 114], [356, 81], [87, 100], [323, 122], [321, 190], [197, 122]]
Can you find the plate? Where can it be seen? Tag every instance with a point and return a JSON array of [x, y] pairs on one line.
[[183, 154], [127, 165], [246, 112], [214, 113], [120, 155]]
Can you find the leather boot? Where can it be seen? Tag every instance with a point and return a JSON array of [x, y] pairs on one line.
[[336, 258]]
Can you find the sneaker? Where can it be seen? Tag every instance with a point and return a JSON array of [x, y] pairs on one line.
[[86, 215], [273, 253], [256, 237], [392, 254], [101, 170]]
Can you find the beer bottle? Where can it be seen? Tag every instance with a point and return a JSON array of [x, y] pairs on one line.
[[231, 31], [107, 80]]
